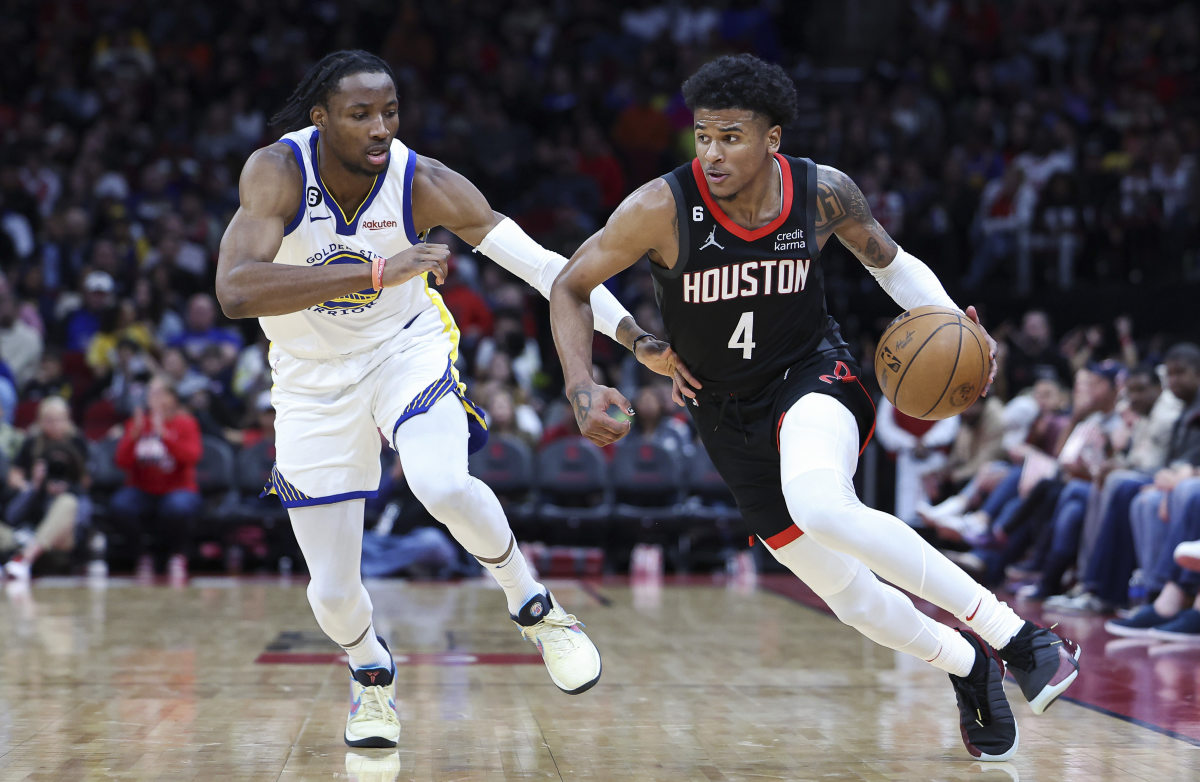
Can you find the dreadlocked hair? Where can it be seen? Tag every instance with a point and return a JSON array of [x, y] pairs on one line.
[[743, 81], [321, 80]]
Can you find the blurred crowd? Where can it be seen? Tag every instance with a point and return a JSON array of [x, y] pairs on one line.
[[1016, 147]]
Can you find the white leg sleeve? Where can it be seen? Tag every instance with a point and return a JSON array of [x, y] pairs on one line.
[[330, 537], [877, 610], [433, 452], [819, 454]]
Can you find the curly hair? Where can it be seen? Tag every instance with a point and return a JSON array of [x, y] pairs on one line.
[[743, 81], [321, 80]]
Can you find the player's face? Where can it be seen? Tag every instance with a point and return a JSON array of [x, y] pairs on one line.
[[360, 122], [734, 147]]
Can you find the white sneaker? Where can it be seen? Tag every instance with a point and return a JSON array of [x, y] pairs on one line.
[[1187, 554], [954, 505], [17, 570], [570, 656], [373, 721]]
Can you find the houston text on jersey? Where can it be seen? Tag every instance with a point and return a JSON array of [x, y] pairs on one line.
[[745, 279]]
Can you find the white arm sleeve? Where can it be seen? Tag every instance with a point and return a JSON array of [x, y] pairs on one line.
[[910, 283], [515, 250]]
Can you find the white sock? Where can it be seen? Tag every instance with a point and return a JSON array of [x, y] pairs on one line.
[[955, 655], [511, 572], [367, 652], [995, 622]]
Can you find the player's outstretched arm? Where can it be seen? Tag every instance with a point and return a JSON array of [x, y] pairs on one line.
[[442, 196], [842, 211], [249, 285], [644, 223]]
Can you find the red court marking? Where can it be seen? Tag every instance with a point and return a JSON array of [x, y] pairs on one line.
[[418, 658]]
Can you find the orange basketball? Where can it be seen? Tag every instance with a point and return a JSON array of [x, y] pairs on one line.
[[932, 362]]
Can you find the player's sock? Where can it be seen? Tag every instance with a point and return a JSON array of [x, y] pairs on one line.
[[995, 622], [511, 572], [367, 652], [955, 654]]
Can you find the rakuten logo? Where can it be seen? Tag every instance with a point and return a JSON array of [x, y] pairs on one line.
[[379, 225]]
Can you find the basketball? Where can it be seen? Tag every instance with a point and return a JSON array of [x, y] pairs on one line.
[[932, 362]]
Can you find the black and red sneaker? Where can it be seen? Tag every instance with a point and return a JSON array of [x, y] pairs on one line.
[[989, 730], [1043, 663]]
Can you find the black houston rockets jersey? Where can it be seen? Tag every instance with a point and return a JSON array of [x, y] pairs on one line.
[[742, 306]]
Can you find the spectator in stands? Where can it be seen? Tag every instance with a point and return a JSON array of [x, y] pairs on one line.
[[49, 379], [11, 439], [159, 452], [20, 343], [652, 422], [919, 448], [1173, 614], [99, 299], [1107, 559], [49, 478], [201, 332]]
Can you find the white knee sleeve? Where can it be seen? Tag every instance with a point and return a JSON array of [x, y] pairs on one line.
[[433, 451]]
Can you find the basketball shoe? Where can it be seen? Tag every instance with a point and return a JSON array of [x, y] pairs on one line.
[[989, 730], [570, 656], [1043, 663], [373, 721]]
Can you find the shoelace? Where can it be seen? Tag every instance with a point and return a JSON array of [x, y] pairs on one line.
[[1023, 656], [375, 704], [970, 693], [553, 631]]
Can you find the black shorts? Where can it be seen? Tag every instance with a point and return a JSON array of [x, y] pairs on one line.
[[740, 431]]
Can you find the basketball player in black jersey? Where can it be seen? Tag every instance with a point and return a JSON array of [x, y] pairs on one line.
[[734, 242]]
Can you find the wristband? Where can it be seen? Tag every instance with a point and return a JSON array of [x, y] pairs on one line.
[[633, 347], [377, 266]]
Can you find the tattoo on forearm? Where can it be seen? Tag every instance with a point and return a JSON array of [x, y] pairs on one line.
[[581, 403]]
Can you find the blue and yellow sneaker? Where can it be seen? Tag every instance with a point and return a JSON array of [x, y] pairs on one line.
[[373, 721]]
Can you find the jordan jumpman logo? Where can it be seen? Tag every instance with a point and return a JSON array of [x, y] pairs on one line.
[[711, 241]]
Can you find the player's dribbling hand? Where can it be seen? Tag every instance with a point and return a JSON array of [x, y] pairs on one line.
[[591, 402], [658, 357], [417, 260], [973, 314]]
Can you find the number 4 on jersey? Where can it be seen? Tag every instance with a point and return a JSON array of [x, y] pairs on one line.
[[743, 335]]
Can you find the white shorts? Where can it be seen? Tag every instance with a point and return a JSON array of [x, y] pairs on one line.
[[330, 414]]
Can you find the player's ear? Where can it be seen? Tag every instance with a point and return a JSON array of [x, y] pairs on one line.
[[318, 116], [773, 137]]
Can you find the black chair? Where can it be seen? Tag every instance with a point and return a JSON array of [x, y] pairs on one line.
[[105, 476], [506, 465], [573, 488], [708, 514], [647, 482], [216, 479]]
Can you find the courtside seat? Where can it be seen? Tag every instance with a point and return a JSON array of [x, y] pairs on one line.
[[573, 487], [506, 465], [647, 482]]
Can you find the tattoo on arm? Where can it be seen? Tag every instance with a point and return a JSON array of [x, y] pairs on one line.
[[581, 402], [829, 207]]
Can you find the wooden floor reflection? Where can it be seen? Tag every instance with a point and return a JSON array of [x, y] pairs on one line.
[[229, 679]]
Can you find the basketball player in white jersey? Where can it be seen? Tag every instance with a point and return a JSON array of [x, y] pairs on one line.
[[325, 250]]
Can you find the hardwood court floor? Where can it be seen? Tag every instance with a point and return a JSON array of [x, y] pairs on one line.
[[229, 679]]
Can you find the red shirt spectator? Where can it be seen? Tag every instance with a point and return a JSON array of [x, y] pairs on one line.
[[160, 449]]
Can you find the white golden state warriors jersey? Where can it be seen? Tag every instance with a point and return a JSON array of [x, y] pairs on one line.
[[321, 233]]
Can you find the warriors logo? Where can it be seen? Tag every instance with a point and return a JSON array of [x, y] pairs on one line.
[[351, 302]]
